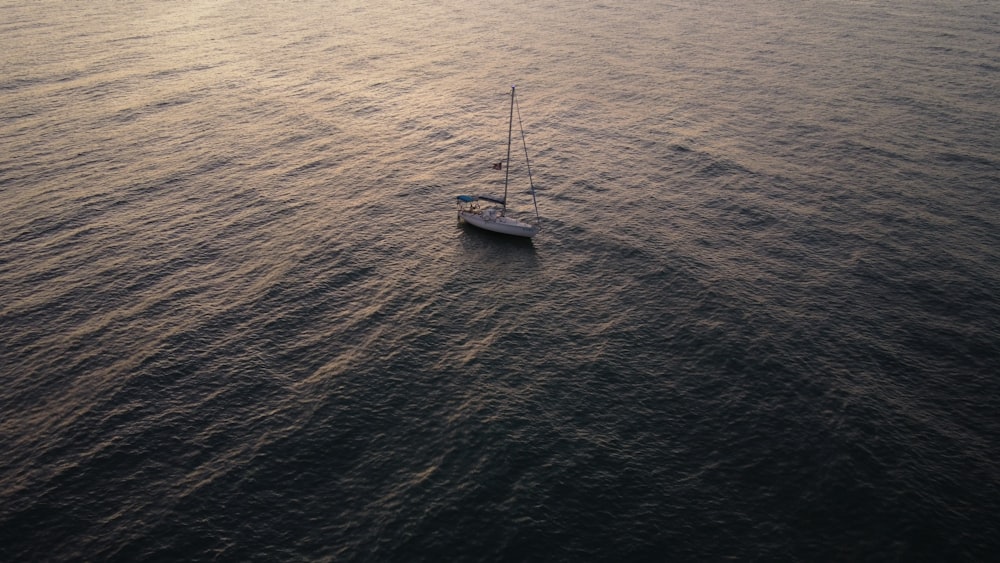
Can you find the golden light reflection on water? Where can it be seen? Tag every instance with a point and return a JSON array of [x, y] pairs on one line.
[[227, 229]]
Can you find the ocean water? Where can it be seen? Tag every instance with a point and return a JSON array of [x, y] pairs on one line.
[[240, 321]]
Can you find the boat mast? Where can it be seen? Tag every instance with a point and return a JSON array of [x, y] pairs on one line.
[[510, 131]]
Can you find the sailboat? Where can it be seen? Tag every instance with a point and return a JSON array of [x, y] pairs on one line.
[[490, 212]]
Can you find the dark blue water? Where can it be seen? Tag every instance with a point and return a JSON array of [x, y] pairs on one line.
[[240, 321]]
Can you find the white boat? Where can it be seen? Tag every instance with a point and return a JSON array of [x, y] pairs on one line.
[[490, 212]]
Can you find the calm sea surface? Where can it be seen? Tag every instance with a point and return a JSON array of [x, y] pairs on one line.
[[240, 321]]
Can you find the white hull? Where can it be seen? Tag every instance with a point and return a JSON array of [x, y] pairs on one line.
[[499, 224]]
